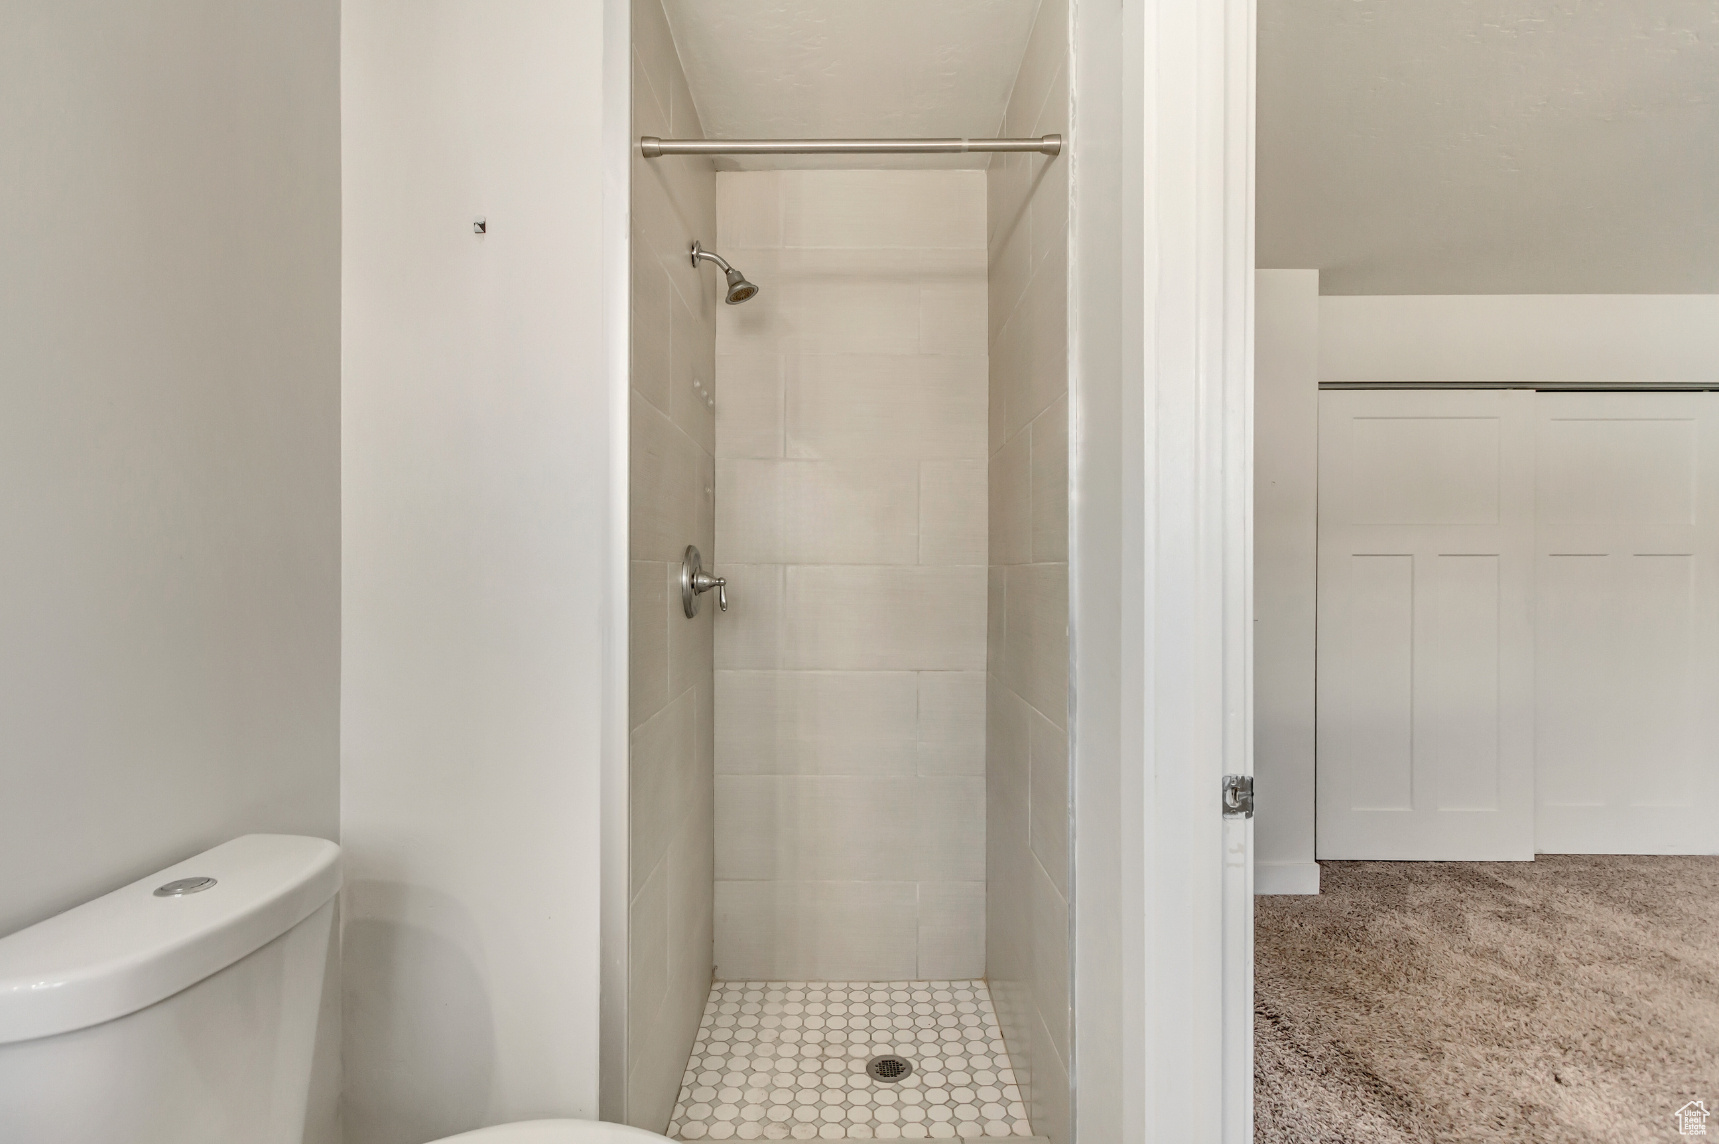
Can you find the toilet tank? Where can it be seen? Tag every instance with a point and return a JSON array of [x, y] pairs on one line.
[[180, 1009]]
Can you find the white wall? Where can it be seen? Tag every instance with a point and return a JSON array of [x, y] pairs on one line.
[[169, 344], [1285, 584], [1516, 146], [169, 625], [478, 664], [850, 522], [1622, 339]]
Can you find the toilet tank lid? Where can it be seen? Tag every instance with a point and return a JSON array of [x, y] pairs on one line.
[[129, 949]]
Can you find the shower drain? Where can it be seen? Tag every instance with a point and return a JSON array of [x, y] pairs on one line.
[[889, 1068]]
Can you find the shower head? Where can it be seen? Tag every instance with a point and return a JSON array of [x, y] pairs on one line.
[[739, 290]]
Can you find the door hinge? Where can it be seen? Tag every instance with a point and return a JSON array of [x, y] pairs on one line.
[[1238, 796]]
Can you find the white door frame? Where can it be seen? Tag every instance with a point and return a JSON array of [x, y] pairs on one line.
[[617, 163], [1161, 569]]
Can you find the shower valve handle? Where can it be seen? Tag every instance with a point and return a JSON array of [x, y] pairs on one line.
[[704, 582], [695, 582]]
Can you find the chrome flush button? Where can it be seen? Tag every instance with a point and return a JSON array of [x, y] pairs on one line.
[[184, 886]]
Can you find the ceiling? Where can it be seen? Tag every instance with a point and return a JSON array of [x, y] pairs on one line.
[[1501, 146], [833, 68]]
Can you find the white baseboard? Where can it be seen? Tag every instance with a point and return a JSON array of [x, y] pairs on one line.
[[1285, 878]]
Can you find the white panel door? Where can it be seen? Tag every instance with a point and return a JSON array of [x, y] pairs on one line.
[[1425, 647], [1627, 627]]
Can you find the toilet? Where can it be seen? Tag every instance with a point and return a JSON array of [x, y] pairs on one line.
[[182, 1009]]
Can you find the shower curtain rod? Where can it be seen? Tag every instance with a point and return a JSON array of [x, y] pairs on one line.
[[654, 148]]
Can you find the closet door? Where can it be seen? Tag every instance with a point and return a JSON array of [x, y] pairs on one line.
[[1627, 630], [1425, 672]]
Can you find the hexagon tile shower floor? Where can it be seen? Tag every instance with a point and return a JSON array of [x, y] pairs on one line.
[[786, 1060]]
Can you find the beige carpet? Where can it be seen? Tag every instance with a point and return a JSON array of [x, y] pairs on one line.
[[1569, 1000]]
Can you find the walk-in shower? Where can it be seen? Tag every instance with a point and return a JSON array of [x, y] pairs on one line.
[[848, 803]]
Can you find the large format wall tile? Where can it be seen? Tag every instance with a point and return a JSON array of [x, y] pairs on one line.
[[691, 642], [749, 416], [951, 821], [951, 930], [1010, 503], [952, 318], [692, 372], [661, 1045], [653, 302], [852, 527], [1027, 758], [877, 723], [1047, 827], [929, 618], [1050, 959], [817, 828], [996, 613], [673, 488], [1035, 642], [671, 803], [1031, 349], [952, 723], [691, 866], [866, 405], [665, 783], [951, 530], [1049, 206], [818, 722], [821, 315], [1045, 55], [930, 268], [830, 931], [818, 512], [647, 952], [751, 630], [749, 209], [850, 828], [1049, 433], [882, 209], [1047, 1085], [648, 625]]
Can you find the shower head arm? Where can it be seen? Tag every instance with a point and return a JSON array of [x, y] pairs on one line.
[[739, 290], [699, 252]]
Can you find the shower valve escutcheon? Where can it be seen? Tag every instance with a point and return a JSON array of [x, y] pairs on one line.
[[695, 582]]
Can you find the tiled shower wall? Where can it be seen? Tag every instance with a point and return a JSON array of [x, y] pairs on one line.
[[1027, 689], [850, 445], [673, 477]]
